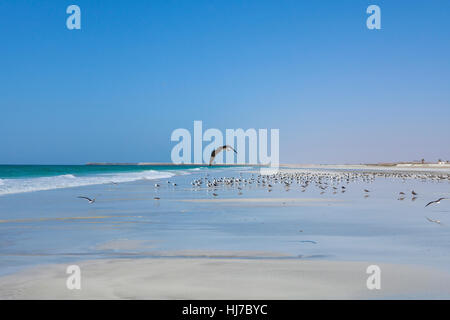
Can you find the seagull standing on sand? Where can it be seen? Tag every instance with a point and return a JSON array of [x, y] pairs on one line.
[[214, 153], [88, 199], [435, 201]]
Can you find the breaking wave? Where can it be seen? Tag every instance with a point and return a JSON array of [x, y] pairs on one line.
[[9, 186]]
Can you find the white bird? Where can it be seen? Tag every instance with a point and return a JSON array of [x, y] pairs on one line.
[[214, 153], [88, 199]]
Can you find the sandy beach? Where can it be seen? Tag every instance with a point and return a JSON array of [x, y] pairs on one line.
[[168, 238], [219, 278]]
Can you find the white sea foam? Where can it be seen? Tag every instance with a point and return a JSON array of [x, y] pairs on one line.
[[9, 186]]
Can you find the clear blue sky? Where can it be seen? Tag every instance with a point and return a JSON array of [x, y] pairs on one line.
[[137, 70]]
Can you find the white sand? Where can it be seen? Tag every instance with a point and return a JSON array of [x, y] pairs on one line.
[[193, 278], [289, 168]]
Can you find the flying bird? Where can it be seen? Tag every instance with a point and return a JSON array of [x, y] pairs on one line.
[[435, 201], [435, 221], [88, 199], [414, 193], [214, 153]]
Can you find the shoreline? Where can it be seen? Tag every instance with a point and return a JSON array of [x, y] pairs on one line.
[[170, 164], [400, 165]]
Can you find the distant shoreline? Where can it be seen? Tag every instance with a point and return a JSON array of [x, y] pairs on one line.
[[169, 164], [288, 165]]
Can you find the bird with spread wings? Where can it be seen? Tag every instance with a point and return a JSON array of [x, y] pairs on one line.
[[435, 201], [215, 152]]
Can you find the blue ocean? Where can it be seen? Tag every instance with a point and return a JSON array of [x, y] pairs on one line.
[[27, 178]]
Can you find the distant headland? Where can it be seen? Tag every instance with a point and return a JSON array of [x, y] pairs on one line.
[[169, 164]]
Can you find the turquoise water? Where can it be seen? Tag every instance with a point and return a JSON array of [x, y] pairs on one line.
[[33, 171], [28, 178]]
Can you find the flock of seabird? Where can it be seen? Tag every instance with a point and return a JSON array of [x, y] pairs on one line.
[[334, 181]]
